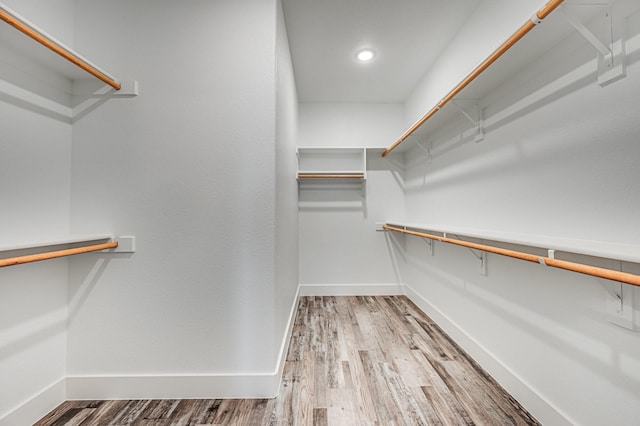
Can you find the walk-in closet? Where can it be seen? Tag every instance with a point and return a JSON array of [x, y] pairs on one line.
[[269, 212]]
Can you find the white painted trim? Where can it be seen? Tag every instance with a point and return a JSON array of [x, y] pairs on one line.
[[259, 385], [351, 289], [526, 395], [227, 386], [37, 407], [284, 348], [266, 385], [203, 386]]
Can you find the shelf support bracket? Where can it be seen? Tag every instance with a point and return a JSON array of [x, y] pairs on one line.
[[426, 150], [481, 255], [430, 244], [477, 122], [619, 303], [611, 54]]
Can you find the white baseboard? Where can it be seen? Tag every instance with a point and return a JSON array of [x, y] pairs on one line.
[[267, 385], [173, 387], [37, 407], [155, 387], [284, 348], [351, 289], [217, 386], [544, 411]]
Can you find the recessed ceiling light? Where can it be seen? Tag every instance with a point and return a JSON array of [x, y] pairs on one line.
[[365, 55]]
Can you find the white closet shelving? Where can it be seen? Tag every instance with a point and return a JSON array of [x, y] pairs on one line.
[[22, 252], [65, 240], [32, 55], [476, 100], [335, 164], [126, 244], [602, 249], [470, 99]]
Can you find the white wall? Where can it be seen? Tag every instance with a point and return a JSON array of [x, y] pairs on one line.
[[350, 125], [200, 168], [564, 166], [189, 167], [493, 22], [339, 250], [286, 249], [35, 151]]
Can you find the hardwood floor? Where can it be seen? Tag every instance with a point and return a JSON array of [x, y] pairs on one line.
[[351, 361]]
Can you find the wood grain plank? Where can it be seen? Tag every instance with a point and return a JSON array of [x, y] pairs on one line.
[[320, 417], [383, 405], [306, 391], [260, 412], [283, 410], [60, 415], [447, 407], [205, 411], [320, 381], [340, 408]]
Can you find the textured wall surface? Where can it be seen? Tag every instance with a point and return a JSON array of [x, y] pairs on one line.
[[35, 155], [559, 159]]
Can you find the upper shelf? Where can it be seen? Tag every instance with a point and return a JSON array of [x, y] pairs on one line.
[[127, 243], [74, 245], [504, 63], [74, 66], [63, 240], [332, 163]]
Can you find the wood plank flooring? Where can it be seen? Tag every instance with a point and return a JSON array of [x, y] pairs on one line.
[[351, 361]]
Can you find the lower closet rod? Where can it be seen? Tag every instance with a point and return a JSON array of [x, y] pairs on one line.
[[55, 254], [608, 274], [330, 176]]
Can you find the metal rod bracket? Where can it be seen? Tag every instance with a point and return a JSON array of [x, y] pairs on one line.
[[479, 254], [430, 244], [611, 53], [477, 122], [585, 32], [426, 150], [483, 263]]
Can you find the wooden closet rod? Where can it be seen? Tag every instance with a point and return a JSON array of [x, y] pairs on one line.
[[330, 176], [55, 254], [46, 41], [528, 26], [561, 264]]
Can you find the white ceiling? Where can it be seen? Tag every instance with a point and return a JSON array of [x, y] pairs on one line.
[[408, 35]]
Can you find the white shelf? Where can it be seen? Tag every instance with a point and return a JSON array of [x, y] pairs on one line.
[[30, 64], [54, 241], [335, 163], [603, 249], [127, 244]]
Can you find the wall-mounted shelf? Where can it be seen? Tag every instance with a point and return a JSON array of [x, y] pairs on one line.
[[601, 249], [46, 40], [52, 248], [54, 241], [507, 61], [41, 71], [332, 164]]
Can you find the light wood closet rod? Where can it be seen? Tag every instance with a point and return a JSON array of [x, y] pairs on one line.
[[561, 264], [55, 254], [528, 26], [46, 41], [330, 176]]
